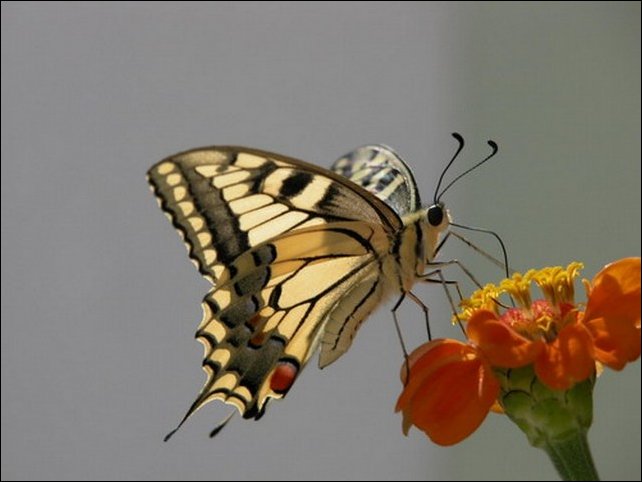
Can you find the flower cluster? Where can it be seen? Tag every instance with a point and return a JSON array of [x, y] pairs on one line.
[[453, 385]]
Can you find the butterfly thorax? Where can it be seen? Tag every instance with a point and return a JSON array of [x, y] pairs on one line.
[[413, 249]]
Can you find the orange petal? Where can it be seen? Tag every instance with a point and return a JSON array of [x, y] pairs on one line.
[[613, 313], [427, 358], [616, 341], [626, 271], [500, 344], [568, 359], [450, 397], [454, 401]]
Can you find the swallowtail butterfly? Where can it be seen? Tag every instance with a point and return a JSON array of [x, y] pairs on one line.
[[298, 256]]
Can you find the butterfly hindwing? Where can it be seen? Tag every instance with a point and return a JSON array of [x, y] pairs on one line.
[[272, 317], [294, 252]]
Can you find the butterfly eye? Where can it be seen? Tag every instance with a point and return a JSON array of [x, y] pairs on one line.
[[435, 214]]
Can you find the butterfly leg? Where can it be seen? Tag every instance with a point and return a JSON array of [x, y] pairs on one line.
[[403, 345], [423, 306], [394, 317], [503, 265], [439, 265], [428, 278]]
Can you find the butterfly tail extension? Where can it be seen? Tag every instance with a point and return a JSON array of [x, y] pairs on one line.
[[240, 359]]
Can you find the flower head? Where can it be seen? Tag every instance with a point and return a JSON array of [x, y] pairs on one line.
[[453, 385], [450, 390]]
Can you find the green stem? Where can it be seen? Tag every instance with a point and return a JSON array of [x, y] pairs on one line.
[[572, 457]]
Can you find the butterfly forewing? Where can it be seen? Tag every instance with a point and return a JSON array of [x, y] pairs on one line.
[[379, 170], [295, 253]]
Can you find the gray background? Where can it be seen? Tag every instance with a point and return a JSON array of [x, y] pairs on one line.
[[99, 302]]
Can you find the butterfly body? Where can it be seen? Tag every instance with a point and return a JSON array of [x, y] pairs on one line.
[[298, 257]]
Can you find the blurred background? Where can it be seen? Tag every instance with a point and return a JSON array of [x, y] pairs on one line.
[[100, 303]]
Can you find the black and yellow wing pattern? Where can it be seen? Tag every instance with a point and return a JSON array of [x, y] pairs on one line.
[[298, 256]]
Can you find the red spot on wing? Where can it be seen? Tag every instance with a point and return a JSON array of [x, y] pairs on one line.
[[255, 324], [255, 321], [257, 340], [283, 376]]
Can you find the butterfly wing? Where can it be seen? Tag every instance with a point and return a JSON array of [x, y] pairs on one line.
[[379, 170], [290, 248]]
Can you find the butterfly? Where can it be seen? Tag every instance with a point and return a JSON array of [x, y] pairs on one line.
[[298, 256]]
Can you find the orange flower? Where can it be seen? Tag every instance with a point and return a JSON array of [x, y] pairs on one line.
[[450, 392], [453, 385]]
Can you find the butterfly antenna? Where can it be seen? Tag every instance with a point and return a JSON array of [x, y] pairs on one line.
[[460, 139], [221, 425], [494, 148]]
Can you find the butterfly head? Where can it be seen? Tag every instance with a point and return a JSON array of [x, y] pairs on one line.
[[436, 220], [437, 216]]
